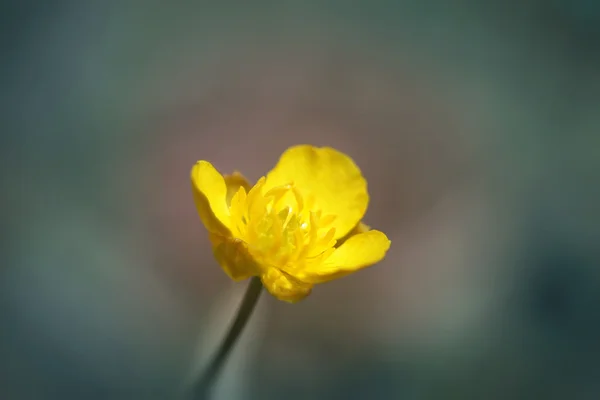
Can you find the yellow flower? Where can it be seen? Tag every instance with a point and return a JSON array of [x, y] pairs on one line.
[[298, 226]]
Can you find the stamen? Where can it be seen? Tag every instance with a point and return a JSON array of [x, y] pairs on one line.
[[282, 229], [326, 240], [288, 217], [299, 199], [327, 220], [278, 191]]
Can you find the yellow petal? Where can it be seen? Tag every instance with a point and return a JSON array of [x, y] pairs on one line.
[[285, 287], [232, 255], [233, 183], [210, 194], [359, 228], [330, 176], [359, 251]]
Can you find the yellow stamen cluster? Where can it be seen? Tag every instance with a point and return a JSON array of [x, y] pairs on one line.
[[282, 228]]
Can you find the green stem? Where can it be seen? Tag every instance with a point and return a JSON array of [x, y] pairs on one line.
[[201, 389]]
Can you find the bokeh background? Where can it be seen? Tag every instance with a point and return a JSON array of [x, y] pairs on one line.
[[475, 123]]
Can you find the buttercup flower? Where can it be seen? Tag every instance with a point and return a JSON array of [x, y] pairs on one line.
[[296, 227]]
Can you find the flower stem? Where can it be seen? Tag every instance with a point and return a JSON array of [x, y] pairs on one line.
[[202, 387]]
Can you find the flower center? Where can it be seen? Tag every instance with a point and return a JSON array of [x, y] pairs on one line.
[[282, 228]]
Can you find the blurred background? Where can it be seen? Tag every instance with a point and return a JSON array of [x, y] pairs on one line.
[[476, 125]]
